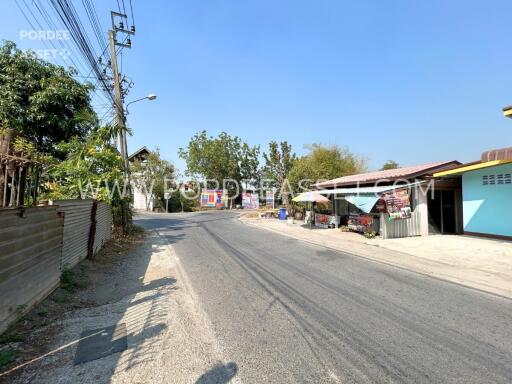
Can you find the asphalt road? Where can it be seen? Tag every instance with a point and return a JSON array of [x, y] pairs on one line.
[[285, 311]]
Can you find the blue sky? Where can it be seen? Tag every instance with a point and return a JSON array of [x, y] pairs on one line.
[[405, 80]]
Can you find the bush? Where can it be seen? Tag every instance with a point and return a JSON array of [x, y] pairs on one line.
[[178, 202], [6, 357]]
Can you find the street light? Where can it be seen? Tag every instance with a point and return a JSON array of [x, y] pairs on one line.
[[507, 111], [123, 134], [149, 97]]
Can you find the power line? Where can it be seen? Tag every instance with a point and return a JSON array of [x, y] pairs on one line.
[[131, 10], [69, 18], [89, 65]]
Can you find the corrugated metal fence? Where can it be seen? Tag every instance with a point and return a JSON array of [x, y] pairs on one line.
[[400, 228], [103, 226], [30, 252], [36, 244], [77, 228]]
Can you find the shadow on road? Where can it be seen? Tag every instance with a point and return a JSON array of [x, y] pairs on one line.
[[218, 374], [124, 287]]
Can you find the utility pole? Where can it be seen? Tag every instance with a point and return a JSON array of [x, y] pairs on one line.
[[118, 91], [118, 97]]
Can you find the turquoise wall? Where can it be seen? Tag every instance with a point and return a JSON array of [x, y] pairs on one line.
[[487, 208]]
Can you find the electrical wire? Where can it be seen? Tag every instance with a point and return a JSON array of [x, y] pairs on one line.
[[86, 62]]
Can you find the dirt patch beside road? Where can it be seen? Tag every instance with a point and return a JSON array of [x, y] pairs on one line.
[[135, 282]]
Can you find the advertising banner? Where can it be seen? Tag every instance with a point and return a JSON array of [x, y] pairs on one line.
[[214, 198], [398, 204], [269, 199], [325, 221], [250, 200]]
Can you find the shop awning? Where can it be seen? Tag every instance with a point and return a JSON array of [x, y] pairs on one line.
[[364, 202], [365, 198], [366, 190]]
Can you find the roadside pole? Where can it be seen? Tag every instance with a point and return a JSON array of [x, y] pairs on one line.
[[166, 197], [118, 104]]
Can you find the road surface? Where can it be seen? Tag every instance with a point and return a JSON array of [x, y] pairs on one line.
[[285, 311]]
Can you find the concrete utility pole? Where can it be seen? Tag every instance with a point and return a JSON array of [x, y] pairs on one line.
[[118, 98], [118, 92]]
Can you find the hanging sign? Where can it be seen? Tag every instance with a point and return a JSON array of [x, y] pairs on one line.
[[398, 204]]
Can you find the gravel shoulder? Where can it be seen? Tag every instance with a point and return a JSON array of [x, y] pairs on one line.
[[168, 338]]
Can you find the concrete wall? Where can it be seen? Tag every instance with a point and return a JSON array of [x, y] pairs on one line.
[[487, 209], [142, 201]]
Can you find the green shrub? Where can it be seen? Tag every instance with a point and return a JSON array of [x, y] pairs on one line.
[[6, 357], [70, 281]]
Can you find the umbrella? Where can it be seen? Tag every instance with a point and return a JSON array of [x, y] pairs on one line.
[[310, 197]]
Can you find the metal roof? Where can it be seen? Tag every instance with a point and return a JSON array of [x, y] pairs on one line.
[[471, 167], [390, 174]]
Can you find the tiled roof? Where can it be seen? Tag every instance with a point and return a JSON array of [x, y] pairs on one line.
[[390, 174]]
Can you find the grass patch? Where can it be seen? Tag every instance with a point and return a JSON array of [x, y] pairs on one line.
[[60, 298], [70, 280], [6, 357], [133, 230]]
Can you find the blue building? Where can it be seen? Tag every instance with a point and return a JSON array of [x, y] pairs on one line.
[[486, 194]]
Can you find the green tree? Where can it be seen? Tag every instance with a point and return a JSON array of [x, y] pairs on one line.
[[151, 175], [250, 164], [216, 159], [390, 164], [278, 163], [41, 100], [92, 168], [323, 163], [183, 201]]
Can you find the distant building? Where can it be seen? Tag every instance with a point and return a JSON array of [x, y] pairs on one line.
[[486, 194], [142, 200]]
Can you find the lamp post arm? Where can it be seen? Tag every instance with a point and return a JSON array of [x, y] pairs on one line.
[[134, 101]]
